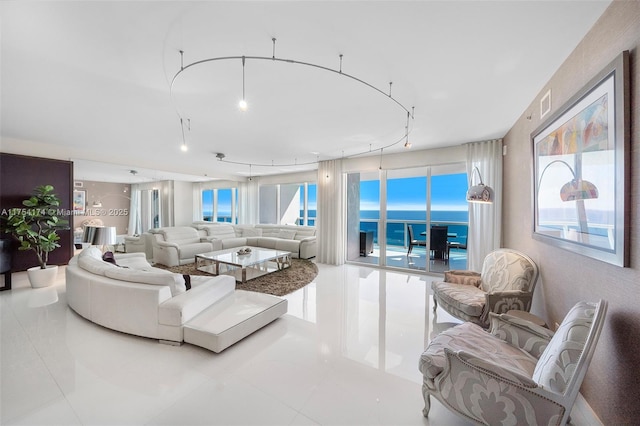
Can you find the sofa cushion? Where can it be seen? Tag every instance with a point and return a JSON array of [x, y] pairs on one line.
[[153, 277], [220, 231], [180, 234], [463, 297], [267, 242], [95, 266], [292, 246], [251, 232], [188, 251], [133, 262], [233, 242], [306, 232], [269, 230], [91, 251], [287, 234], [468, 336]]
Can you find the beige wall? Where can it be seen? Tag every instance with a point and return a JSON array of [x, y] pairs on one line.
[[115, 200], [612, 384]]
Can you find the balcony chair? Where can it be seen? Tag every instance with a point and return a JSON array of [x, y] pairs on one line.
[[413, 241], [506, 283], [515, 373], [438, 242]]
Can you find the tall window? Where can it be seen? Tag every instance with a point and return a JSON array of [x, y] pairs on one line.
[[224, 208], [220, 205], [207, 205], [307, 204]]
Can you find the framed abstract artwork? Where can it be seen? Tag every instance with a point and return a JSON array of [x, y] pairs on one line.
[[581, 169], [79, 201]]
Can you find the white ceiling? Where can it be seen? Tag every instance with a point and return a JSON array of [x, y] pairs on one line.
[[89, 81]]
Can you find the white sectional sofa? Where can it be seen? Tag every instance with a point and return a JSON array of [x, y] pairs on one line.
[[135, 298], [178, 245], [299, 240]]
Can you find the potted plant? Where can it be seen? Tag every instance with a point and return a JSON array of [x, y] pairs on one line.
[[35, 227]]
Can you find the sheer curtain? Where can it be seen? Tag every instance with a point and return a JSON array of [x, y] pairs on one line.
[[330, 213], [248, 202], [197, 202], [485, 220], [135, 220]]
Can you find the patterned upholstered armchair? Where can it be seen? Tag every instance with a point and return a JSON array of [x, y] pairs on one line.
[[515, 373], [506, 283]]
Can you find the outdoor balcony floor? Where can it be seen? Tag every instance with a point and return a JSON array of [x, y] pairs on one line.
[[396, 256]]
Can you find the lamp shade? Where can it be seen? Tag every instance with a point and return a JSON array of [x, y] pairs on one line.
[[480, 194], [99, 235], [578, 189]]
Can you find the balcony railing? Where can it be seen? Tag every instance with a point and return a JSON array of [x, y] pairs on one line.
[[397, 234]]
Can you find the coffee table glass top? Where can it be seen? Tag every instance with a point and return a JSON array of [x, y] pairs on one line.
[[256, 256], [246, 266]]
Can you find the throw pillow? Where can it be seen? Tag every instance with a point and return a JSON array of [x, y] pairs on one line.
[[187, 281], [108, 257], [463, 277]]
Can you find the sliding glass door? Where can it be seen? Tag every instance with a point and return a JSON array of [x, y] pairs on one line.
[[406, 223], [416, 218]]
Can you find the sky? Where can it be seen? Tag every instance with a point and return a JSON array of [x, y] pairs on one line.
[[448, 192]]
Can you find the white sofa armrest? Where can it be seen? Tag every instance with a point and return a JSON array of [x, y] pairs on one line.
[[183, 307], [166, 244]]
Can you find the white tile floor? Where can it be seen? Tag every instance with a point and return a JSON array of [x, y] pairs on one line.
[[345, 354]]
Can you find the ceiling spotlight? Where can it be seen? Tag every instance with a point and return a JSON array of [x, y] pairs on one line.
[[243, 103], [220, 156], [183, 146], [133, 172]]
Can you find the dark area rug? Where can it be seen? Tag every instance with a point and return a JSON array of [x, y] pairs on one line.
[[278, 283]]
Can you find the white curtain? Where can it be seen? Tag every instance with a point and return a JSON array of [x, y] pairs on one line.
[[135, 220], [248, 202], [197, 202], [485, 220], [167, 203], [330, 223]]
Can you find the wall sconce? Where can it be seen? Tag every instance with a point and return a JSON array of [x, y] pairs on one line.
[[480, 193]]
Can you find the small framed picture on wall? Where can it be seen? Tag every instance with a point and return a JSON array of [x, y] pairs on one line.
[[79, 201]]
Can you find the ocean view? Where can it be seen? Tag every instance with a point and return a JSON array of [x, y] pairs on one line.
[[456, 220]]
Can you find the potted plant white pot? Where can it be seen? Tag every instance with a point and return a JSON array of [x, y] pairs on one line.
[[35, 227]]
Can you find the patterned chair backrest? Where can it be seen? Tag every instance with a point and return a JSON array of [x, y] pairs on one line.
[[506, 269], [564, 362]]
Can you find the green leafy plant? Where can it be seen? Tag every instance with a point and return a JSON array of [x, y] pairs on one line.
[[35, 225]]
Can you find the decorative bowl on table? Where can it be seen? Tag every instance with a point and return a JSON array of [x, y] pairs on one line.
[[244, 251]]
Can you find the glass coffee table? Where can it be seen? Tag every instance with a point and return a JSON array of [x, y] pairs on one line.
[[243, 267]]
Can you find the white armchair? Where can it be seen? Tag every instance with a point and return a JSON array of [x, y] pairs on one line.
[[506, 283], [516, 373]]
